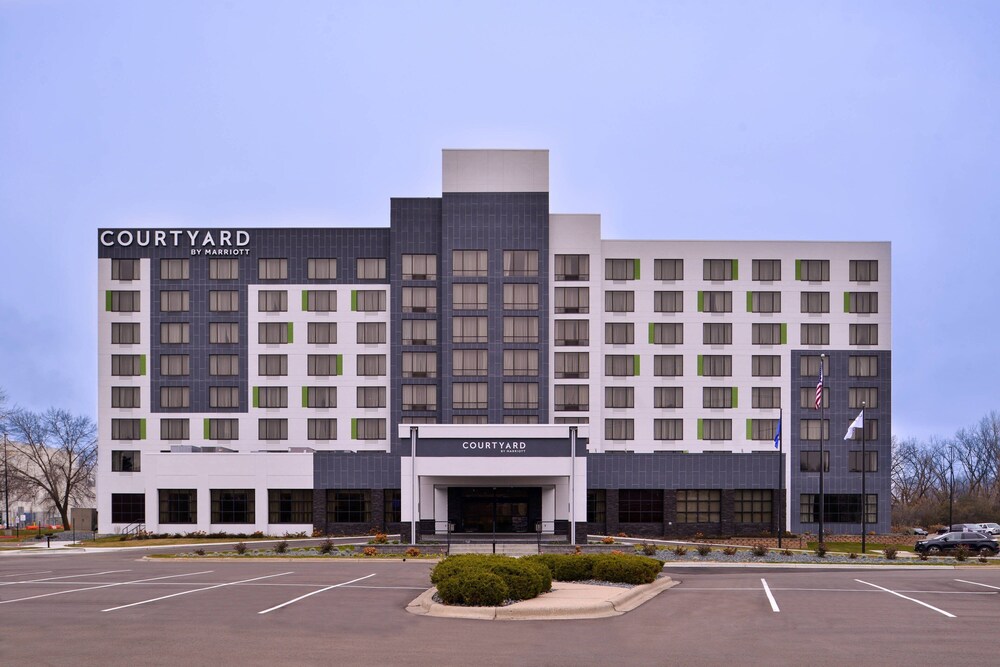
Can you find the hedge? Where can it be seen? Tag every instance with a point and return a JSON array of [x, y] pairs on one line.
[[521, 579], [617, 568]]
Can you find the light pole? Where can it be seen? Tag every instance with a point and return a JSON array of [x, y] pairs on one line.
[[864, 476], [951, 487], [6, 485], [820, 396]]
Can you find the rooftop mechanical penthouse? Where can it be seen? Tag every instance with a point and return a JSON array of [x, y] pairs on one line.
[[483, 364]]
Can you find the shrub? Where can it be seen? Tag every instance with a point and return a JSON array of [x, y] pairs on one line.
[[821, 550], [608, 540], [786, 552], [380, 538], [889, 552], [626, 569], [522, 579], [318, 532], [622, 535], [475, 587], [258, 534], [199, 552], [573, 568], [853, 555], [680, 550], [241, 548], [704, 550], [923, 555], [729, 551], [617, 552], [759, 550], [370, 551], [326, 546], [648, 549], [962, 553], [413, 552], [984, 559], [281, 547], [578, 549]]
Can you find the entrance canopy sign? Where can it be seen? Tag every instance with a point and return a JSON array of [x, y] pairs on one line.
[[496, 447]]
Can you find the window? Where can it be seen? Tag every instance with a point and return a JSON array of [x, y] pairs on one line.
[[862, 302], [175, 397], [520, 296], [272, 269], [272, 397], [596, 506], [128, 507], [716, 302], [175, 364], [864, 334], [368, 333], [469, 395], [838, 507], [321, 301], [621, 269], [520, 263], [174, 333], [619, 397], [766, 270], [572, 300], [854, 461], [858, 397], [619, 301], [469, 330], [807, 397], [224, 364], [233, 506], [871, 431], [717, 397], [520, 362], [272, 301], [468, 419], [765, 302], [572, 267], [572, 397], [348, 506], [668, 302], [127, 333], [326, 365], [224, 397], [290, 505], [469, 296], [126, 364], [272, 429], [515, 330], [392, 506], [321, 268], [668, 365], [815, 334], [175, 301], [716, 365], [572, 365], [125, 397], [813, 270], [371, 397], [699, 506], [178, 506], [717, 333], [619, 429], [272, 364], [809, 429], [766, 334], [174, 269], [640, 506], [619, 333], [766, 397], [571, 420], [223, 269], [175, 429], [863, 270], [223, 301], [520, 395], [370, 429], [668, 397], [815, 302], [765, 365], [520, 419], [468, 263], [809, 365], [419, 299], [370, 268], [668, 429], [273, 332], [668, 269], [126, 461], [668, 333], [370, 300], [572, 332], [424, 332], [419, 267], [763, 429], [326, 397], [124, 302], [419, 364], [752, 505], [719, 269], [717, 429], [125, 269], [862, 366], [223, 429], [618, 365], [325, 333]]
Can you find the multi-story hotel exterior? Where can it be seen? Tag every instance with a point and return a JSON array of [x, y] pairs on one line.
[[279, 380]]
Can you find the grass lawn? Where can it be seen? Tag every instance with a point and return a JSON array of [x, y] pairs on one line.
[[855, 547]]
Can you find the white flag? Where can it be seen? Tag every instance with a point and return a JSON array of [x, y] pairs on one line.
[[859, 422]]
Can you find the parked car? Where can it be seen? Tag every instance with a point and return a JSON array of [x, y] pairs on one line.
[[988, 528], [976, 543], [919, 531], [961, 528]]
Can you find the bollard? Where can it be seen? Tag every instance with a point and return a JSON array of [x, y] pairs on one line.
[[48, 541]]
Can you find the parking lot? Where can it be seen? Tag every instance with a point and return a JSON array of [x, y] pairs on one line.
[[119, 609]]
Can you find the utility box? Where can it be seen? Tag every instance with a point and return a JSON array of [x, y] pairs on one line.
[[83, 518]]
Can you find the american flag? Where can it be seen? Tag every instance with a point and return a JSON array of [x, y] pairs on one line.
[[819, 385]]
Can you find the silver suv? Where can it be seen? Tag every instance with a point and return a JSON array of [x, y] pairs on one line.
[[987, 528]]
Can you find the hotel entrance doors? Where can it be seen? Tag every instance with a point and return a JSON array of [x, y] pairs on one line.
[[495, 509]]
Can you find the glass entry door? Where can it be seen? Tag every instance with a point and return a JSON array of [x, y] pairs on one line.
[[495, 509]]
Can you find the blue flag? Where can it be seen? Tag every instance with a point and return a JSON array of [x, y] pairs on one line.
[[777, 436]]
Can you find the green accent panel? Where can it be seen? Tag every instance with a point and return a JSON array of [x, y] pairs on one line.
[[798, 269], [290, 338], [701, 430], [142, 429], [354, 299], [701, 364], [635, 274], [784, 333], [749, 302], [736, 396], [107, 300], [701, 301], [354, 428], [652, 328], [305, 300], [635, 364], [305, 397], [847, 302], [340, 364], [749, 429], [142, 364], [207, 429], [736, 269], [256, 397]]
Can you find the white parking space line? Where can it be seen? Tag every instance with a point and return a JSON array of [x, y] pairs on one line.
[[922, 604], [196, 590], [394, 588], [770, 598], [303, 597], [26, 574], [68, 576], [976, 583], [94, 588]]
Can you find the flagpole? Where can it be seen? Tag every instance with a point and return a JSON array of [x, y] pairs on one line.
[[822, 415], [781, 479], [864, 475]]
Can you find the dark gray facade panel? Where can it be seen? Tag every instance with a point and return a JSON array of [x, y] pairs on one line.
[[678, 470], [360, 470]]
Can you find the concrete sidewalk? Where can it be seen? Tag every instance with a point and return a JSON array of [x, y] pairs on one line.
[[566, 600]]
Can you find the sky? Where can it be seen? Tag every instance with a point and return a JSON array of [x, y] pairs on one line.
[[859, 121]]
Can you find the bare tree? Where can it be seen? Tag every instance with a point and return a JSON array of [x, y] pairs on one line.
[[56, 454]]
